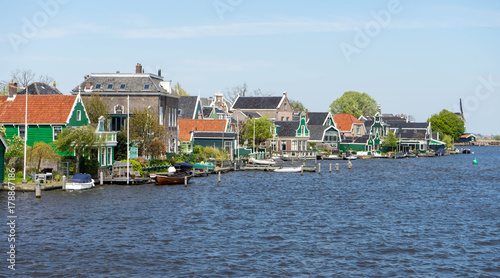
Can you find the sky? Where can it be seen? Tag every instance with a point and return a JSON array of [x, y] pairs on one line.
[[412, 57]]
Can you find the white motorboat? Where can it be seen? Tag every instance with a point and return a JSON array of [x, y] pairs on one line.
[[262, 161], [289, 169], [80, 182]]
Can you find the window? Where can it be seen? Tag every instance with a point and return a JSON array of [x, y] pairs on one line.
[[122, 86], [119, 109], [161, 115], [287, 118], [284, 106], [283, 145], [22, 132], [282, 118], [358, 130], [227, 146], [56, 131], [110, 86], [294, 145], [98, 86], [103, 156], [110, 155], [146, 86], [78, 115]]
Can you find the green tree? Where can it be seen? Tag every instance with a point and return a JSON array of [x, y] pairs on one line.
[[121, 146], [2, 132], [179, 90], [95, 107], [144, 129], [79, 141], [39, 151], [497, 137], [263, 127], [354, 103], [297, 105], [447, 123], [390, 142], [448, 140], [16, 147]]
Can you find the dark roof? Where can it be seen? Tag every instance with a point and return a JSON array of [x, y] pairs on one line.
[[207, 111], [405, 125], [257, 102], [316, 118], [205, 102], [368, 124], [187, 106], [411, 134], [134, 82], [39, 88], [218, 110], [316, 132], [252, 115], [356, 140], [287, 128], [202, 134]]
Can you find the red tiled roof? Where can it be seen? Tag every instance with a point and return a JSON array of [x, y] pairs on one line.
[[42, 109], [344, 121], [187, 125]]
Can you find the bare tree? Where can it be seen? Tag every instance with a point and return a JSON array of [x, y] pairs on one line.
[[26, 76], [242, 90]]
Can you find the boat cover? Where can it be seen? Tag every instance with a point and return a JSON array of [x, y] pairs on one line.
[[81, 178], [183, 166]]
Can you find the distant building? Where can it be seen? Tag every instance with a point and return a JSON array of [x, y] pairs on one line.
[[146, 91], [40, 88], [277, 108]]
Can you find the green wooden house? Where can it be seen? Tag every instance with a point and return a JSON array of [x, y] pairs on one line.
[[3, 149], [47, 117]]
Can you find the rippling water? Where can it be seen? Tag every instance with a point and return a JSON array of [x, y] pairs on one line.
[[424, 217]]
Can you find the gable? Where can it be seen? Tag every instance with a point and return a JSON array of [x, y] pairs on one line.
[[302, 130], [42, 109], [188, 126]]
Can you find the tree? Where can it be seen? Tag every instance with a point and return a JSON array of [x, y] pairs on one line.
[[178, 90], [242, 90], [297, 105], [354, 103], [79, 141], [448, 140], [2, 132], [144, 129], [39, 151], [390, 141], [157, 148], [26, 76], [121, 146], [16, 147], [95, 107], [447, 123], [263, 128], [497, 137]]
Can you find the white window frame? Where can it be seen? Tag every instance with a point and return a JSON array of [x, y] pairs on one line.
[[54, 137], [78, 115], [161, 115], [103, 156], [19, 131], [295, 145], [110, 158]]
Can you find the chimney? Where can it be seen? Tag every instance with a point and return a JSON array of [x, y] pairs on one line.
[[138, 68], [284, 93], [87, 85], [13, 89], [159, 72]]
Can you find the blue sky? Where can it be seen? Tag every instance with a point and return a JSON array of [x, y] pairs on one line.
[[413, 57]]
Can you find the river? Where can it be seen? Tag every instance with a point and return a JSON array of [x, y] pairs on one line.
[[421, 217]]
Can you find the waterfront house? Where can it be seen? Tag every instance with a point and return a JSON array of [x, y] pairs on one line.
[[187, 128], [291, 137], [3, 150], [48, 115], [322, 130], [217, 140], [348, 125], [277, 108], [106, 152], [467, 139], [145, 90], [190, 107]]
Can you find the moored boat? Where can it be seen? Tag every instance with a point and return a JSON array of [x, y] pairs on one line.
[[176, 178], [204, 166], [80, 182], [288, 169], [262, 161]]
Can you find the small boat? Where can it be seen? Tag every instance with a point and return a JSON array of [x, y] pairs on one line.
[[204, 166], [400, 155], [351, 157], [288, 169], [262, 161], [410, 155], [80, 182], [466, 151], [379, 155], [176, 178]]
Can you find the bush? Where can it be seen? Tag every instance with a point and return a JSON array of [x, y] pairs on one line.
[[136, 166], [143, 161]]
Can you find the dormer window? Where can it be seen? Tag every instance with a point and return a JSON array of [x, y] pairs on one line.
[[98, 86], [110, 86], [146, 86], [122, 86]]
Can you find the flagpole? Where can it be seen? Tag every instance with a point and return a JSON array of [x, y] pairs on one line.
[[128, 138], [25, 134]]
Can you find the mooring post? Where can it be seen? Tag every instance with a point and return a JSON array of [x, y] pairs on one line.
[[337, 167], [101, 178], [319, 168], [301, 171], [219, 176], [185, 181], [330, 167], [38, 189], [349, 165], [64, 183]]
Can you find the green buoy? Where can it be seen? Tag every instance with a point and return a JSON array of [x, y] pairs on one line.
[[475, 161]]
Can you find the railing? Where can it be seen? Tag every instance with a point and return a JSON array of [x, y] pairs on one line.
[[108, 136]]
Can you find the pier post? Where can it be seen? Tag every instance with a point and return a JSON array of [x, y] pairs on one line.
[[301, 171], [38, 189], [319, 168], [185, 181], [337, 168], [64, 183], [349, 165], [101, 178], [330, 167], [219, 176]]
